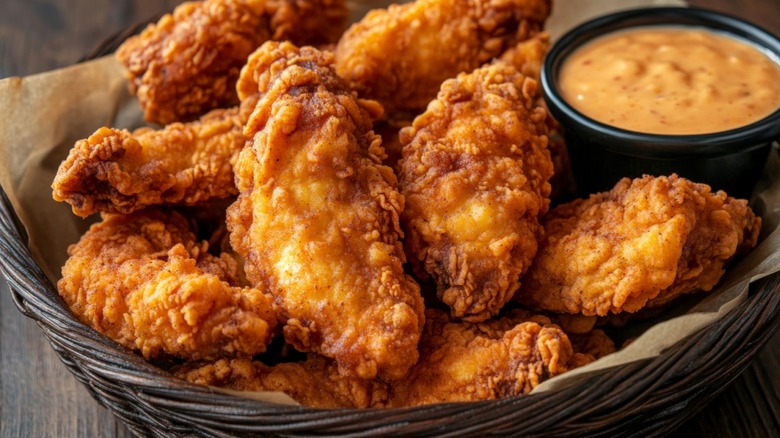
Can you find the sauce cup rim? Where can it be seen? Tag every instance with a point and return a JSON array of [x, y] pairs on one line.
[[624, 141]]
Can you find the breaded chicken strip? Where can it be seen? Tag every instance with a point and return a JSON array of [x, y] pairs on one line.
[[643, 243], [528, 56], [183, 164], [458, 362], [317, 217], [595, 343], [474, 173], [315, 383], [390, 131], [188, 62], [461, 361], [401, 55], [143, 280]]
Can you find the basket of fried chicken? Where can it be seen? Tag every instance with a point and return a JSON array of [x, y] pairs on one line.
[[373, 231]]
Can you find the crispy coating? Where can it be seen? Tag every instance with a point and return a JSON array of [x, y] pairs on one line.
[[461, 361], [402, 54], [118, 171], [574, 323], [528, 56], [314, 383], [188, 62], [644, 242], [562, 184], [475, 174], [317, 218], [390, 131], [595, 343], [143, 280]]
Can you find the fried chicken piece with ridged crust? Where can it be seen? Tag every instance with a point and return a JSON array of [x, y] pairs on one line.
[[317, 217], [475, 173], [461, 361], [401, 55], [315, 383], [390, 131], [118, 171], [143, 281], [595, 343], [188, 62], [528, 56], [643, 243]]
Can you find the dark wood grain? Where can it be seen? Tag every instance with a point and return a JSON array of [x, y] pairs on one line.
[[750, 406], [765, 13], [39, 398], [40, 35]]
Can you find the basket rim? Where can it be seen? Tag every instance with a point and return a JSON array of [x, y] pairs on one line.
[[151, 400]]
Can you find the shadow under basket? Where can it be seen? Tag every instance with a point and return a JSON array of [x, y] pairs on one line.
[[649, 397]]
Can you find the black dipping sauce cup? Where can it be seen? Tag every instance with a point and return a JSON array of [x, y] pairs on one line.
[[601, 154]]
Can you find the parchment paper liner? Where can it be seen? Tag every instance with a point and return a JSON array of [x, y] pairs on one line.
[[45, 114]]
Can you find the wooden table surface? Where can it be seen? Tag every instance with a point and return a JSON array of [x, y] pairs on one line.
[[39, 397]]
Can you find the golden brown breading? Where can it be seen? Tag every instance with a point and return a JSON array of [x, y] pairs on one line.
[[562, 184], [498, 358], [459, 361], [644, 242], [143, 280], [390, 131], [183, 164], [574, 323], [314, 383], [402, 54], [594, 343], [528, 56], [188, 62], [474, 173], [317, 217]]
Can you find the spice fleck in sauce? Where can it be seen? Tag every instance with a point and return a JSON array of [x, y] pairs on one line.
[[671, 80]]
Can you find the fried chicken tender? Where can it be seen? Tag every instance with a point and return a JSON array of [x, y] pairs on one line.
[[390, 131], [143, 280], [317, 217], [461, 361], [595, 343], [528, 56], [401, 55], [574, 323], [475, 173], [118, 171], [641, 244], [314, 383], [188, 62]]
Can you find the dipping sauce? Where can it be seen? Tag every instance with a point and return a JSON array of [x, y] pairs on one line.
[[671, 80]]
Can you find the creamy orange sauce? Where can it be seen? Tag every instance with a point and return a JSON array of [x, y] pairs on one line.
[[671, 80]]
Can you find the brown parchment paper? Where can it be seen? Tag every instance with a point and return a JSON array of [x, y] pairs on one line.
[[43, 115]]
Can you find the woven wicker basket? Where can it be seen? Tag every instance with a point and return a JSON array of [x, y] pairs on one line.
[[652, 396], [649, 397]]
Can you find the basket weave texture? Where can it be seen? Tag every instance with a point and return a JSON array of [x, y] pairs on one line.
[[648, 398]]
